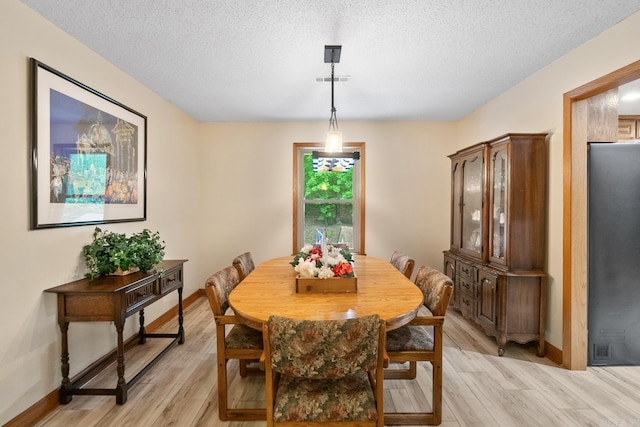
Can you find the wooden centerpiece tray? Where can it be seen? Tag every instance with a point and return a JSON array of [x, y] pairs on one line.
[[328, 285]]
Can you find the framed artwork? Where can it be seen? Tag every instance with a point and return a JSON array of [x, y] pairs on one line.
[[89, 154]]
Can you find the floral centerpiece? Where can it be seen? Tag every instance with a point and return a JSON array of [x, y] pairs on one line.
[[311, 261], [324, 269]]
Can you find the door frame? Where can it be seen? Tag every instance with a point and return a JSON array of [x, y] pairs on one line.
[[574, 240]]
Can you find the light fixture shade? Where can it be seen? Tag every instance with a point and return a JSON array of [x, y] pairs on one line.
[[334, 142], [334, 162]]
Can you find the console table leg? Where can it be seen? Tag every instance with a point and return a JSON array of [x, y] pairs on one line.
[[121, 387], [180, 328], [65, 387], [142, 334]]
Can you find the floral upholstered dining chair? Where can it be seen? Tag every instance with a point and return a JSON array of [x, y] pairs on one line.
[[403, 262], [324, 372], [240, 342], [244, 264], [421, 340]]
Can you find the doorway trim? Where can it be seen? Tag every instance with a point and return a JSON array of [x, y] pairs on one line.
[[574, 240]]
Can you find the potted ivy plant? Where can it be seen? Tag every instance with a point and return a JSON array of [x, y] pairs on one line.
[[111, 253]]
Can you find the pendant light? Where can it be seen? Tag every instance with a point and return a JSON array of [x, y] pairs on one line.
[[333, 159]]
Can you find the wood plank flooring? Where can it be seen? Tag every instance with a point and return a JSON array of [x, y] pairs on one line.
[[480, 388]]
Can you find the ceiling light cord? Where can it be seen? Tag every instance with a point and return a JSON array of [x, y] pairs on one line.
[[334, 136], [333, 119]]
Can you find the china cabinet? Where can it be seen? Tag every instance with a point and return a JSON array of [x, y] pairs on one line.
[[496, 256]]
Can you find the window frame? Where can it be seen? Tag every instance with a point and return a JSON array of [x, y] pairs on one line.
[[301, 148]]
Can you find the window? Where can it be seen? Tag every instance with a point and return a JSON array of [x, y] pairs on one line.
[[327, 203]]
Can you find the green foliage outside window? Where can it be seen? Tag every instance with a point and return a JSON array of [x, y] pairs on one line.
[[327, 186]]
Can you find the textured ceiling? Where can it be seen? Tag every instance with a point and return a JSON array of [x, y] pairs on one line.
[[248, 60]]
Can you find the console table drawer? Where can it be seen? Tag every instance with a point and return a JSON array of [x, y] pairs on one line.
[[78, 308], [138, 296], [169, 281]]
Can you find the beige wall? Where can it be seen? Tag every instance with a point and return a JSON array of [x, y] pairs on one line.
[[535, 105], [216, 190], [249, 166], [32, 261]]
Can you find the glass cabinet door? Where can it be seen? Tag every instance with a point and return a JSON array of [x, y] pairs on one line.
[[498, 242], [456, 204], [472, 205]]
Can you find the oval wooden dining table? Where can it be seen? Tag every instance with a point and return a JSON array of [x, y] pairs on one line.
[[270, 289]]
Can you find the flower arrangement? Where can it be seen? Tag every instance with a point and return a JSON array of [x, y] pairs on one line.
[[311, 261]]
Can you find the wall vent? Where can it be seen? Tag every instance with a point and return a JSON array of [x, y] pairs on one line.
[[601, 352]]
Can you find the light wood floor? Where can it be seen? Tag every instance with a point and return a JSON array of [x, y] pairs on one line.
[[480, 388]]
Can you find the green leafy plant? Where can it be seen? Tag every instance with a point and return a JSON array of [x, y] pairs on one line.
[[111, 251]]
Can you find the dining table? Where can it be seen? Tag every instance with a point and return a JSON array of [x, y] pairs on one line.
[[270, 289]]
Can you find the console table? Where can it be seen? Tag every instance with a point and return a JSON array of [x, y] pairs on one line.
[[113, 299]]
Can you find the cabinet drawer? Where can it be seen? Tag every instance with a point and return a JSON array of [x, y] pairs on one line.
[[467, 306], [169, 281], [467, 287], [136, 297], [467, 271]]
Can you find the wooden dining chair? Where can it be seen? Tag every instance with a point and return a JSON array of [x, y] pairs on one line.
[[244, 264], [403, 262], [327, 372], [414, 342], [241, 342]]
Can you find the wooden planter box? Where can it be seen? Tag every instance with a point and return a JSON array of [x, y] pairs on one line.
[[120, 272], [331, 285]]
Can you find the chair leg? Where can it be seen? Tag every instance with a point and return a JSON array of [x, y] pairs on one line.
[[243, 367], [421, 418], [222, 388], [234, 414], [437, 375], [437, 391]]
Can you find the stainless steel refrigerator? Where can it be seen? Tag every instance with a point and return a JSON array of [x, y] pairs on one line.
[[614, 254]]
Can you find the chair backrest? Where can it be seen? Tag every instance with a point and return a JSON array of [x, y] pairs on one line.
[[218, 287], [436, 288], [403, 262], [323, 348], [244, 264]]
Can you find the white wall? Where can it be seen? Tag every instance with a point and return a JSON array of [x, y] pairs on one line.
[[535, 105], [32, 261]]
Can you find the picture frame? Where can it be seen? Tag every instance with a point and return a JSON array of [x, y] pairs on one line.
[[88, 154]]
